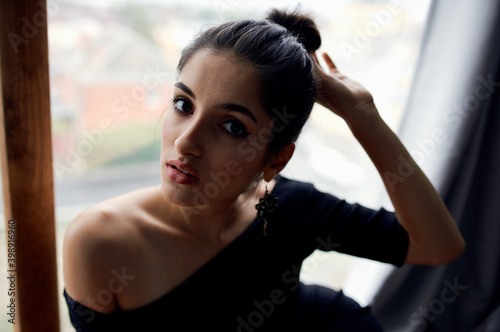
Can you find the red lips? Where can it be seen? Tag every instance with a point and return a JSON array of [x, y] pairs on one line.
[[183, 167]]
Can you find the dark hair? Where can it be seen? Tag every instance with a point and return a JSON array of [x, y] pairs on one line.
[[278, 48]]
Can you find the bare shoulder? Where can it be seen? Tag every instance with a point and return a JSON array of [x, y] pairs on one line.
[[97, 248]]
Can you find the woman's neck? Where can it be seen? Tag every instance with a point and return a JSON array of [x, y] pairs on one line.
[[212, 223]]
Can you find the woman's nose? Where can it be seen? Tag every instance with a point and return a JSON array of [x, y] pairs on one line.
[[190, 140]]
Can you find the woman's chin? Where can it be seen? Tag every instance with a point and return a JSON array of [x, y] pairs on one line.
[[177, 196]]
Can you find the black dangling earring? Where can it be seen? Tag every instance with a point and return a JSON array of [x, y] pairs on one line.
[[266, 206]]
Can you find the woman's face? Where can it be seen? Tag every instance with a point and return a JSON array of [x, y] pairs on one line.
[[217, 127]]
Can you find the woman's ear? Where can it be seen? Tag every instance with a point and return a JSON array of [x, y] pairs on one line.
[[278, 162]]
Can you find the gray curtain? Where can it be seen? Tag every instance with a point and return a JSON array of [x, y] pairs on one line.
[[452, 128]]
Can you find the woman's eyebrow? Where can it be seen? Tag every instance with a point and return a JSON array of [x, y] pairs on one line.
[[184, 88], [230, 107], [240, 109]]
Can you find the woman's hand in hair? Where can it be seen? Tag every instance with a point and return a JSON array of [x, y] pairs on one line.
[[341, 94], [434, 238]]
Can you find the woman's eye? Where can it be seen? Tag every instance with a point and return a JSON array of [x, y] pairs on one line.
[[182, 105], [236, 128]]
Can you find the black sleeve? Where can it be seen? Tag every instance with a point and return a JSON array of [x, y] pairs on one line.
[[85, 319], [356, 230], [328, 223]]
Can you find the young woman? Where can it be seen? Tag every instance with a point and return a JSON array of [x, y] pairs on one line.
[[219, 243]]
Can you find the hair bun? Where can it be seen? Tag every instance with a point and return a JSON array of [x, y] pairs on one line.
[[300, 25]]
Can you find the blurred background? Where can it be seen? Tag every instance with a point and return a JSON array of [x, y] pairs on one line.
[[112, 67]]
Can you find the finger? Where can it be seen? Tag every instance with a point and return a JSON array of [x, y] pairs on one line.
[[329, 62], [313, 56], [315, 60]]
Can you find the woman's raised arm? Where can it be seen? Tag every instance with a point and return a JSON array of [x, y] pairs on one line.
[[433, 234]]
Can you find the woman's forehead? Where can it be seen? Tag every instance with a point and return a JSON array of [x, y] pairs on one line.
[[207, 73]]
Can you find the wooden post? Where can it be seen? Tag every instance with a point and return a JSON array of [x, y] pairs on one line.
[[26, 161]]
